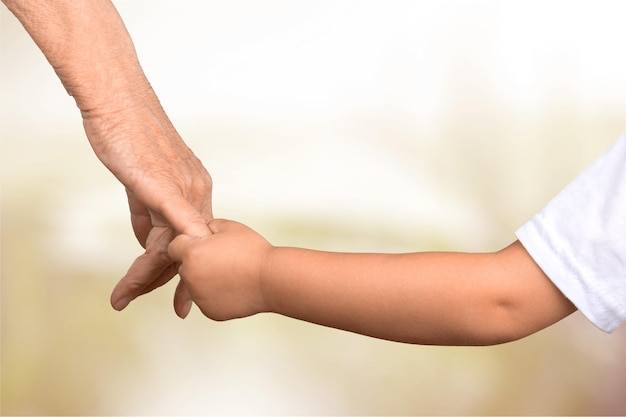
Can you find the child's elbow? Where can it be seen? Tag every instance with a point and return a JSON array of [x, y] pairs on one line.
[[520, 300], [504, 323], [511, 318]]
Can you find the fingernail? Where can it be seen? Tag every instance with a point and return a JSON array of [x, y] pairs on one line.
[[121, 304], [186, 309]]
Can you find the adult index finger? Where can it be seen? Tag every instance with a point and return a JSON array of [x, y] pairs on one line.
[[184, 218]]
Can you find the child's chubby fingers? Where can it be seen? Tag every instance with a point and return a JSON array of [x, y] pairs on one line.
[[179, 246], [221, 272]]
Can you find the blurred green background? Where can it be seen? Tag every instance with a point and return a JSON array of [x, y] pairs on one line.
[[355, 126]]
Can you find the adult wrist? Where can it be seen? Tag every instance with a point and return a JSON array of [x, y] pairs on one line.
[[116, 91]]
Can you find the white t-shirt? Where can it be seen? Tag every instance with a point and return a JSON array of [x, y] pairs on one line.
[[579, 239]]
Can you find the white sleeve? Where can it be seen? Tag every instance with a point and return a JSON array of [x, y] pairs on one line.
[[579, 240]]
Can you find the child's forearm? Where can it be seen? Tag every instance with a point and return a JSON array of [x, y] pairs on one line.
[[425, 298]]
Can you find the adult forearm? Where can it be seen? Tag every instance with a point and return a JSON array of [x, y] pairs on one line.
[[168, 188], [91, 51], [89, 47], [424, 298]]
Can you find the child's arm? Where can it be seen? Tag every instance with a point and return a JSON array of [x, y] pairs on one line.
[[425, 298]]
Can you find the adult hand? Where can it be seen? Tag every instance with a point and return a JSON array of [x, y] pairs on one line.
[[169, 191], [168, 188]]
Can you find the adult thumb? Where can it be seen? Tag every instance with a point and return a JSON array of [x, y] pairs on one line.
[[223, 225]]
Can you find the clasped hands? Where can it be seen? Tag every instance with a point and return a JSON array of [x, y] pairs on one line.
[[168, 189]]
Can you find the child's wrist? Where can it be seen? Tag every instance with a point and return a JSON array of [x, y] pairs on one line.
[[265, 278]]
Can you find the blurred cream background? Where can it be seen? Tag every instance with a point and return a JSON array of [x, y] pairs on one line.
[[345, 125]]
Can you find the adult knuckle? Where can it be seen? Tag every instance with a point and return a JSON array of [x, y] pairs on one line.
[[160, 256]]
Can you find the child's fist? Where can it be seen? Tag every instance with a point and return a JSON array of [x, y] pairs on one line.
[[223, 272]]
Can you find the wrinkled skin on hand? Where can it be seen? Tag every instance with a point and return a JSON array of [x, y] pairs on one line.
[[168, 188], [169, 191]]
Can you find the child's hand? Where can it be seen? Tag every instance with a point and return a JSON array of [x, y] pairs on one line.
[[223, 272]]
